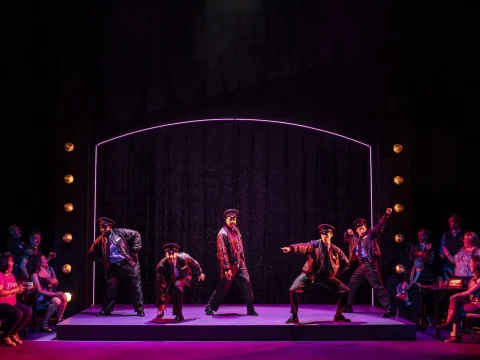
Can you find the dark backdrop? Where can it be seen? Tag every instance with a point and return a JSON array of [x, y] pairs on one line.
[[173, 184], [55, 84]]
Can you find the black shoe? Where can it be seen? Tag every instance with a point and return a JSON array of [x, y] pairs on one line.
[[388, 314], [46, 329], [104, 313], [252, 313], [293, 319], [348, 310], [161, 315], [179, 319], [209, 311], [141, 313], [341, 318]]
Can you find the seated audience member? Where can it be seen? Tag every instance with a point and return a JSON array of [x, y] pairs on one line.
[[464, 302], [45, 281], [30, 251], [16, 315], [424, 246], [462, 258], [420, 274]]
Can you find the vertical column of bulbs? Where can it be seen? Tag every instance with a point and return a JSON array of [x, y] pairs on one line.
[[68, 207], [398, 180]]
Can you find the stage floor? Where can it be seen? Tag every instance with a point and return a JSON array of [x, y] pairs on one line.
[[232, 323]]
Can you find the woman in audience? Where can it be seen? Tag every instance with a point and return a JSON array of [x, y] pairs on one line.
[[17, 315], [45, 281], [463, 256], [464, 302]]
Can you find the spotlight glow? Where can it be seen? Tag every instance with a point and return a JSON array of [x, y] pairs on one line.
[[212, 120], [69, 296]]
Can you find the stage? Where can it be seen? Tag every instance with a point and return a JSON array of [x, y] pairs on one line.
[[231, 323]]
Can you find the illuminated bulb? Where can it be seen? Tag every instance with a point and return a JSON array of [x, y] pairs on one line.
[[398, 208], [398, 180], [68, 207], [400, 269], [67, 269], [67, 237], [69, 296], [68, 178], [398, 148], [399, 238], [69, 147]]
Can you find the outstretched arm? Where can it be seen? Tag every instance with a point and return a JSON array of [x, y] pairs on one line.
[[302, 248]]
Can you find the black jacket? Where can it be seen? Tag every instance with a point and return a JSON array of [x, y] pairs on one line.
[[186, 266], [315, 261], [129, 242], [369, 241]]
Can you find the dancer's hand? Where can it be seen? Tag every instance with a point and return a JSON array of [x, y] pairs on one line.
[[389, 211], [201, 277], [286, 249], [228, 274], [350, 232]]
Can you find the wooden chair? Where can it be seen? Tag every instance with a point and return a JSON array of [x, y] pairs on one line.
[[469, 319]]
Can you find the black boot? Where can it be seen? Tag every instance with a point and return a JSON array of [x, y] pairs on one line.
[[340, 318], [209, 311], [252, 313], [178, 319], [104, 313], [293, 319], [388, 314]]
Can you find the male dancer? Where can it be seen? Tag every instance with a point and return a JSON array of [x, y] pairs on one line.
[[232, 265], [174, 272], [325, 261], [364, 247], [118, 249]]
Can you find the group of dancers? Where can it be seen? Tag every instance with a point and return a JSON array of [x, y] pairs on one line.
[[118, 249]]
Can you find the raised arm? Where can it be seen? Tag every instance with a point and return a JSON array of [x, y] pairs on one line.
[[378, 228], [348, 236]]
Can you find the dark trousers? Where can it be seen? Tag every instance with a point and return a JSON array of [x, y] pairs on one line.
[[175, 293], [302, 283], [131, 275], [369, 270], [412, 311], [16, 317], [240, 275]]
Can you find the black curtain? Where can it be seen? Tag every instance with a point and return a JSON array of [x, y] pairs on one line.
[[173, 184]]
